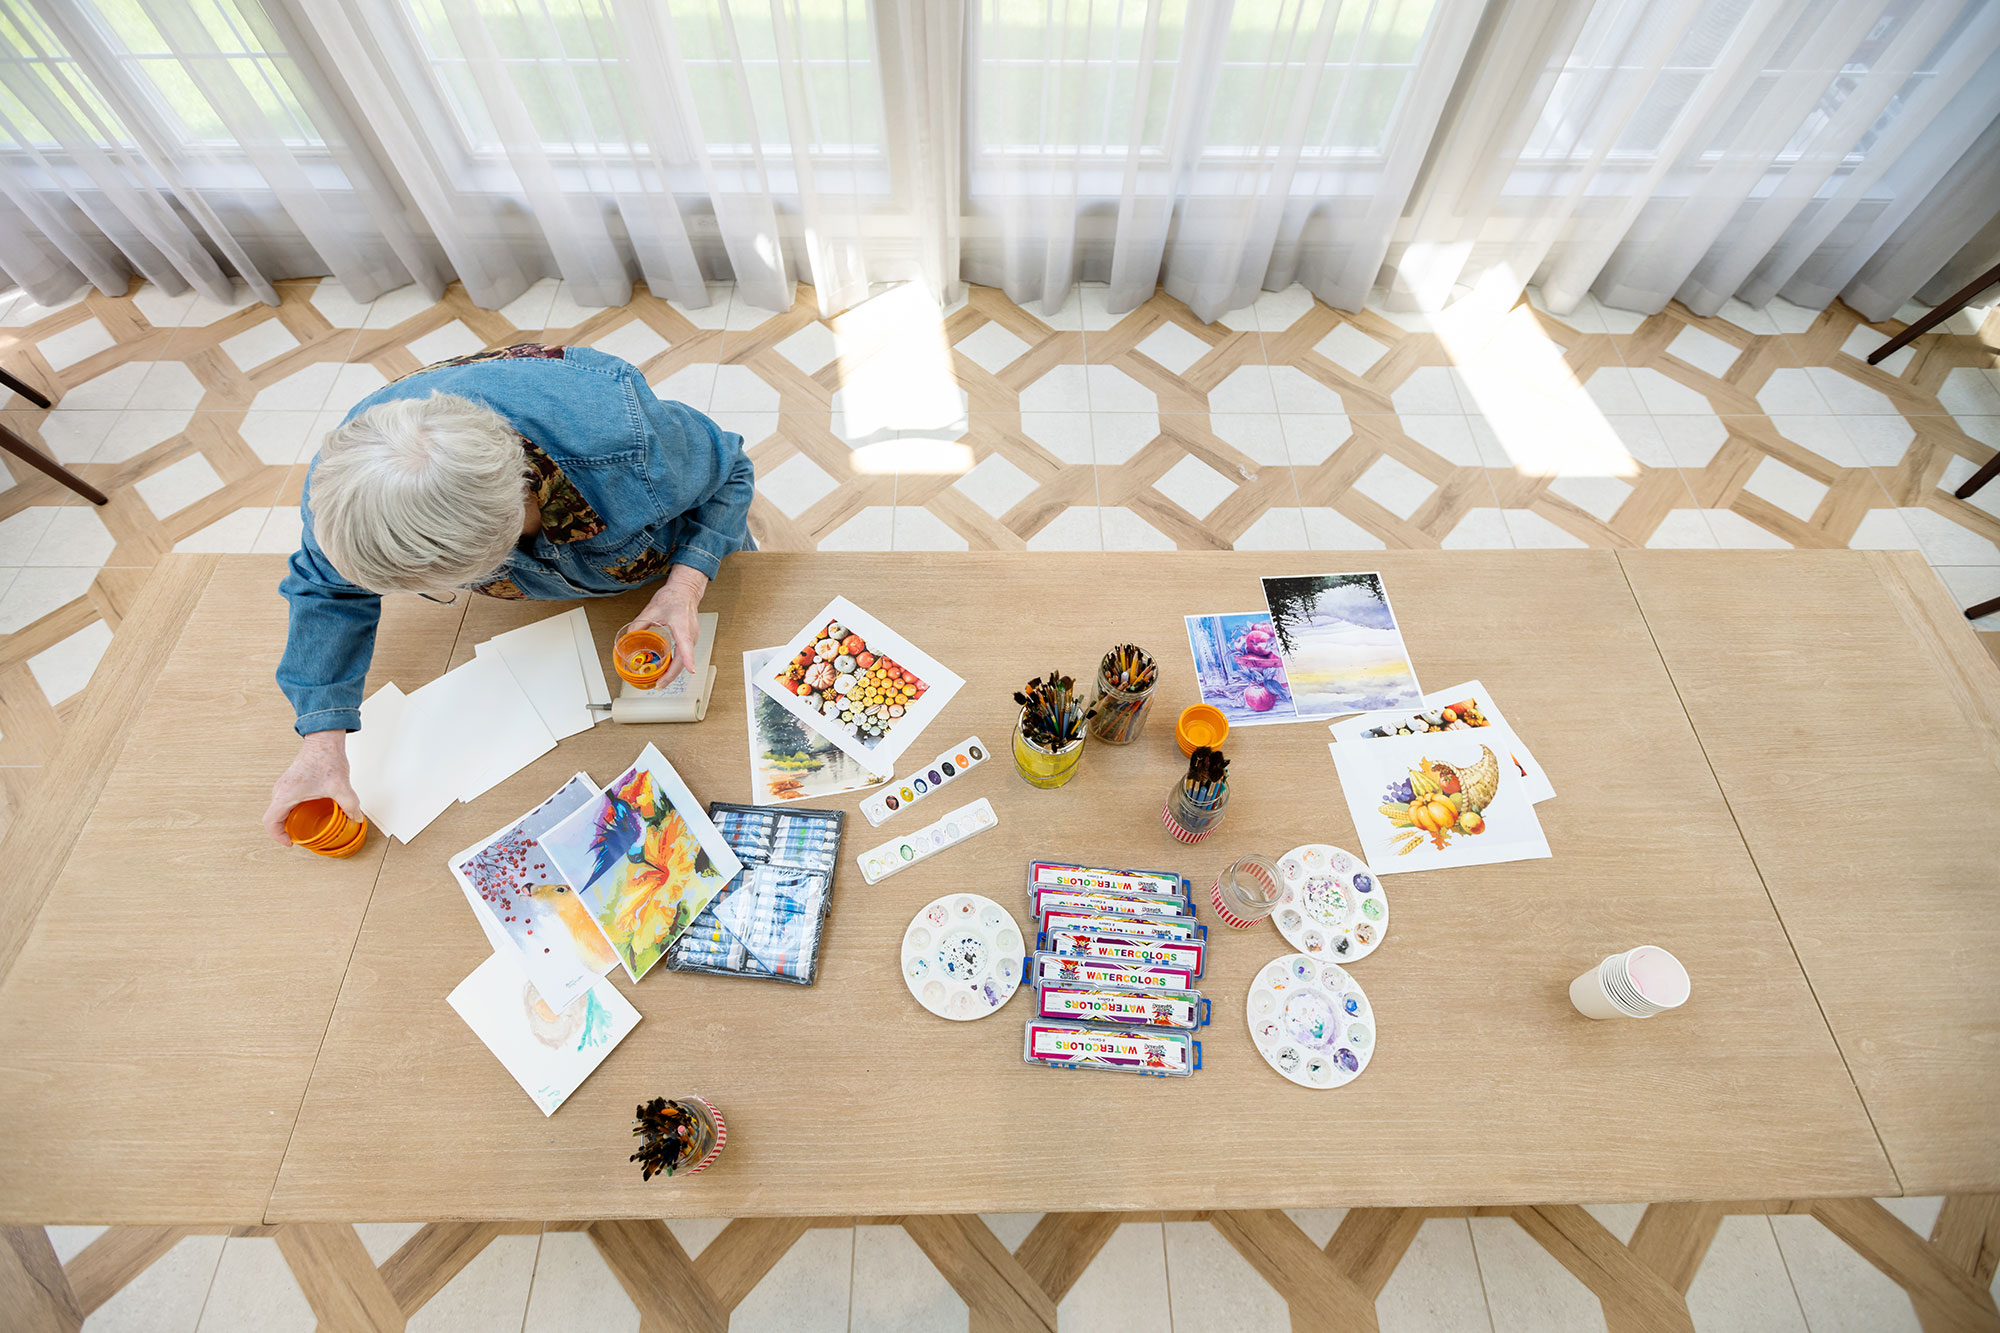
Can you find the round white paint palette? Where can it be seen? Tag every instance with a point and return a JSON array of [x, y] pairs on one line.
[[1310, 1021], [1333, 905], [962, 956]]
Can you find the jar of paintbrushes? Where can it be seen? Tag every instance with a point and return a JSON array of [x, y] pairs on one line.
[[1196, 803], [1048, 738], [1125, 681]]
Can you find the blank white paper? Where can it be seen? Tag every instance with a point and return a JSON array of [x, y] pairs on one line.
[[543, 660], [369, 754], [472, 728], [593, 664]]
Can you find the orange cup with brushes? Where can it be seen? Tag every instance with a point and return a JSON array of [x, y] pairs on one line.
[[323, 828]]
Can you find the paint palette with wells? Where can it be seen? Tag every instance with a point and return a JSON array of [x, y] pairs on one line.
[[962, 956], [1333, 906], [1310, 1021]]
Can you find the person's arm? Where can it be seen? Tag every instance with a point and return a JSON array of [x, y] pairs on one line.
[[327, 651], [716, 526]]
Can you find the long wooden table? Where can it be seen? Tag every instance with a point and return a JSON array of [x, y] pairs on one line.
[[202, 1027]]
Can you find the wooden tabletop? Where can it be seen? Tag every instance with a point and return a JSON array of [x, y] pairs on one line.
[[283, 1051]]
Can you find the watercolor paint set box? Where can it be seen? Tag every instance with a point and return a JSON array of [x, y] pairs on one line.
[[1119, 953], [766, 922]]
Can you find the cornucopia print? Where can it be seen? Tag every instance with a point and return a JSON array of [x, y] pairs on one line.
[[1440, 801]]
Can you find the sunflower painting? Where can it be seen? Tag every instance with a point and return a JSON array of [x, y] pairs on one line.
[[644, 858]]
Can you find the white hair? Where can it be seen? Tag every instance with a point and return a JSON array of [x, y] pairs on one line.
[[420, 494]]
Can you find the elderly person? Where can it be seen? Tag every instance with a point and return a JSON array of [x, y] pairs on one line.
[[529, 472]]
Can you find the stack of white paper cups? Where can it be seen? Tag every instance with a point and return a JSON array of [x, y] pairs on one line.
[[1636, 984]]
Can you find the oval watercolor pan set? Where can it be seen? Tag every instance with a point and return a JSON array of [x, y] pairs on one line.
[[1310, 1021], [1333, 906], [962, 956]]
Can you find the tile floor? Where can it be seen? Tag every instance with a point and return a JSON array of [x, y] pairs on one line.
[[1762, 1274], [1288, 425]]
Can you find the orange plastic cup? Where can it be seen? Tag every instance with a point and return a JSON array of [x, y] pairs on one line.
[[322, 827], [641, 658], [1199, 725]]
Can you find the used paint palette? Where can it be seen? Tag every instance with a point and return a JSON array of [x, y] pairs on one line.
[[1310, 1021], [940, 772], [1333, 906], [962, 956]]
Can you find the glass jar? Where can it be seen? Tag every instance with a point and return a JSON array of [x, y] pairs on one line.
[[1040, 766], [1190, 820], [1121, 711], [1246, 892]]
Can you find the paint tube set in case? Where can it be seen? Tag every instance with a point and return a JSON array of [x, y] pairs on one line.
[[1114, 975]]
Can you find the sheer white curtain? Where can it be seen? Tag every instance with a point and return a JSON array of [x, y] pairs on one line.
[[1638, 149], [1703, 149]]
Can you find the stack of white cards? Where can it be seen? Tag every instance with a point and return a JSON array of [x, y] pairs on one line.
[[473, 727]]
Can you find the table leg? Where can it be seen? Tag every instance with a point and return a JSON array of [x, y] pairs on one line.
[[27, 391], [1945, 309]]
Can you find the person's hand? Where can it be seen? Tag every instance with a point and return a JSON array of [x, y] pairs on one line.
[[672, 609], [319, 770]]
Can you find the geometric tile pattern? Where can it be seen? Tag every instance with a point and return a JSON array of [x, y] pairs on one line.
[[1853, 1263], [1286, 425]]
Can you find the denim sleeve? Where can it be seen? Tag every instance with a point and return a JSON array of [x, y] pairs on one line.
[[331, 642], [708, 480]]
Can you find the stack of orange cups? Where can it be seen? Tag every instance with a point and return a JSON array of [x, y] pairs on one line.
[[322, 827]]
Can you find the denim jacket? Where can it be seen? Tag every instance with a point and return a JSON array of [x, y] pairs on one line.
[[628, 486]]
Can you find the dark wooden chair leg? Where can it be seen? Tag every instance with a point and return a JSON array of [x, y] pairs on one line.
[[41, 462], [27, 391], [1987, 472], [1950, 306], [1986, 608]]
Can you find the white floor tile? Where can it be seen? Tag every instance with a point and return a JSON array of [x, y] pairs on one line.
[[1531, 531], [996, 485], [1958, 471], [898, 1290], [75, 536], [1351, 349], [1170, 345], [1212, 1286], [140, 429], [73, 435], [1862, 342], [1620, 1219], [1971, 391], [1704, 351], [178, 485], [1117, 436], [1067, 435], [694, 1233], [393, 307], [36, 592], [1919, 1213], [1682, 530], [1786, 487], [254, 1292], [1279, 310], [25, 310], [1194, 486], [1436, 1288], [342, 310], [807, 1291], [1112, 390], [741, 389], [1299, 394], [915, 528], [352, 384], [109, 391], [1062, 388], [1396, 487], [1526, 1289], [69, 1242], [65, 668], [168, 384], [1479, 530], [1600, 497], [263, 341], [814, 346], [304, 390], [714, 315], [279, 438], [1971, 584], [450, 340], [1258, 436], [1319, 1224], [1450, 436], [574, 1289], [1789, 392], [281, 533], [1244, 389], [1614, 391], [161, 310], [1849, 396], [754, 427], [795, 485], [1733, 532], [1947, 543], [1886, 530], [78, 342], [1125, 531], [1791, 318], [1668, 397], [1431, 391], [22, 532], [1692, 440], [1880, 441], [1011, 1228], [1742, 1285], [529, 311], [1825, 436], [235, 533], [382, 1239], [692, 384], [1840, 1291], [167, 1297], [1125, 1288], [491, 1292], [1276, 529], [870, 530]]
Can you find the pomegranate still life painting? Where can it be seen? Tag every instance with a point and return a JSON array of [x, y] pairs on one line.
[[1237, 665], [644, 859]]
